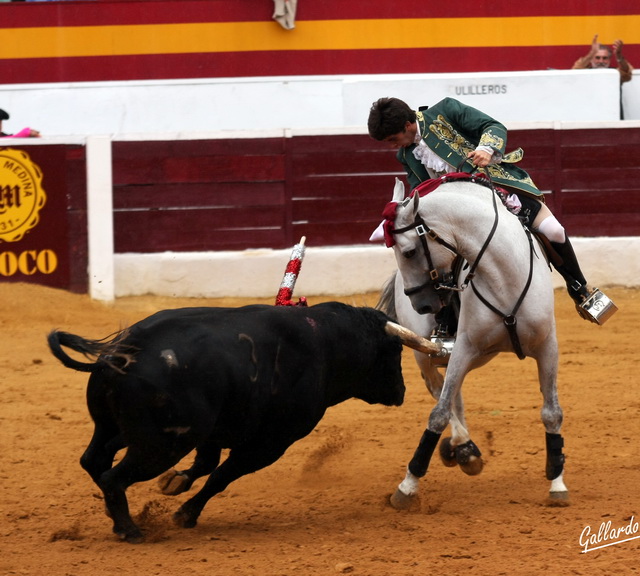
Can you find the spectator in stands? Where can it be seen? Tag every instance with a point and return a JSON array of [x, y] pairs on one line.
[[440, 139], [600, 57], [24, 133]]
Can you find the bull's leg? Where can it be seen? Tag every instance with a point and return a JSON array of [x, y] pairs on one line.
[[106, 439], [552, 419], [207, 459], [140, 463], [241, 461], [99, 455]]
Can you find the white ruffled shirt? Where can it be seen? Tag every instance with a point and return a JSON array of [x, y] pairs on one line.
[[435, 165]]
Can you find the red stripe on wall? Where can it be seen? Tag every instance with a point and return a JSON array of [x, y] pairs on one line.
[[100, 13], [104, 13], [185, 66]]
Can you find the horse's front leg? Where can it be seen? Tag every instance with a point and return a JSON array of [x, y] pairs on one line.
[[438, 420], [551, 414]]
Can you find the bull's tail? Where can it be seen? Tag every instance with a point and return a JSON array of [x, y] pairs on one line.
[[109, 351]]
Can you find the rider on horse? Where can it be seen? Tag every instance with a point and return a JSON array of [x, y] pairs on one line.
[[439, 139]]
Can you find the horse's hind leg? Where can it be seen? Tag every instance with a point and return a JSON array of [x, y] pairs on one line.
[[459, 448], [552, 419]]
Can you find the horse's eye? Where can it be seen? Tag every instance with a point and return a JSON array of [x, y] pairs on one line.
[[409, 254]]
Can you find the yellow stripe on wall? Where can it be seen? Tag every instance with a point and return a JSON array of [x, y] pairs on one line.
[[60, 42]]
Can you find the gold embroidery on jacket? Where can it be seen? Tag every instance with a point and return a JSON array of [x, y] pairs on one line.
[[446, 133], [498, 172], [491, 140]]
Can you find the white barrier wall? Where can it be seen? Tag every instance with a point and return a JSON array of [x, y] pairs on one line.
[[631, 97], [342, 270], [200, 106]]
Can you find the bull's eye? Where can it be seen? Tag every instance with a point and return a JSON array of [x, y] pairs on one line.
[[409, 254]]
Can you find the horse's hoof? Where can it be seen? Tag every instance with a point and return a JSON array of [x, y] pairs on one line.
[[558, 499], [468, 457], [173, 482], [132, 536], [401, 501], [473, 467], [447, 453], [184, 519]]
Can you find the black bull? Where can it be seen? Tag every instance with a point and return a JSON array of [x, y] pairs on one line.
[[253, 379]]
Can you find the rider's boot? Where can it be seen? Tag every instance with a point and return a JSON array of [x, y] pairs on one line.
[[447, 319], [444, 333], [591, 305], [570, 270]]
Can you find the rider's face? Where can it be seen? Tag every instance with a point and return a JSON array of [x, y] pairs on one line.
[[404, 138]]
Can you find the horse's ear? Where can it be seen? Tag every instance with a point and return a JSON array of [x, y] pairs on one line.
[[398, 191], [416, 203]]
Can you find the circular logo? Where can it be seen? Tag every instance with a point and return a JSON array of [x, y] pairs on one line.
[[21, 194]]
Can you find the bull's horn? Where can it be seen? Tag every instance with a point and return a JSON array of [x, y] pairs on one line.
[[411, 339]]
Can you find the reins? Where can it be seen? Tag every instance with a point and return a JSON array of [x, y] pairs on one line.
[[510, 320]]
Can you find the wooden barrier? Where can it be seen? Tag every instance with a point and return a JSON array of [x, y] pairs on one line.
[[236, 194], [240, 194]]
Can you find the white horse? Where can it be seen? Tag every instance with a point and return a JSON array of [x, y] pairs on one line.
[[506, 305]]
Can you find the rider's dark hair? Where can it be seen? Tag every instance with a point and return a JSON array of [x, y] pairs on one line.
[[388, 116]]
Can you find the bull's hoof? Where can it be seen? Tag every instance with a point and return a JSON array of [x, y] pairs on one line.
[[473, 467], [401, 501], [173, 482], [447, 453], [558, 499]]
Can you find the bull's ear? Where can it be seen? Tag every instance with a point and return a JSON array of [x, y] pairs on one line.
[[398, 191], [416, 203]]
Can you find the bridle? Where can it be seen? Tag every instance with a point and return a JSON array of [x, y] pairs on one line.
[[447, 280]]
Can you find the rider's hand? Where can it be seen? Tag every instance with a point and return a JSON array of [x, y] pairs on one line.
[[480, 158]]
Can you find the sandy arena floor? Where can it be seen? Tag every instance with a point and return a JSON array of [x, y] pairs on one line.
[[322, 509]]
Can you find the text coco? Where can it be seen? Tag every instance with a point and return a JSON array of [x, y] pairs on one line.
[[28, 262]]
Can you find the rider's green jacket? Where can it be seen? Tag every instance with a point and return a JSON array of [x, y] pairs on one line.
[[452, 129]]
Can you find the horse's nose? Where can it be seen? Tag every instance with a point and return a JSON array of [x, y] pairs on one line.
[[425, 310]]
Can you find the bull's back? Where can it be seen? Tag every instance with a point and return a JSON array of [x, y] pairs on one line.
[[255, 357]]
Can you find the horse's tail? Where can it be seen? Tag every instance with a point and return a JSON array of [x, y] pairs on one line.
[[387, 301], [109, 351]]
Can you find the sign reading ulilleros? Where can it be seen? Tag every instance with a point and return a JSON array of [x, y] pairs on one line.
[[21, 195]]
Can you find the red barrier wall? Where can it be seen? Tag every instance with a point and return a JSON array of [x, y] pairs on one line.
[[238, 194]]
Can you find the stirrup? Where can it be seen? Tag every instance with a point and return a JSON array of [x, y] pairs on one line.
[[597, 307], [446, 343]]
